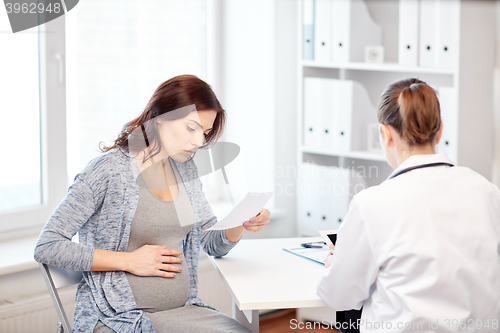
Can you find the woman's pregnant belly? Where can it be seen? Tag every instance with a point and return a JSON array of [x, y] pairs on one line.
[[153, 293]]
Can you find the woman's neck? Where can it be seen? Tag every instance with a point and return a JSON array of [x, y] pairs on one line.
[[153, 162]]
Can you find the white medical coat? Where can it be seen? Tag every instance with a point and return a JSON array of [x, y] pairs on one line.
[[420, 249]]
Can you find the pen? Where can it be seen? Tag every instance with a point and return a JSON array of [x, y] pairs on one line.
[[309, 246]]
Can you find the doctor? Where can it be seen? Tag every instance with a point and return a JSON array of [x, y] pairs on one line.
[[419, 252]]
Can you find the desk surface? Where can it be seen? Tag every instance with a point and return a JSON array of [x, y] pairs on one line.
[[260, 275]]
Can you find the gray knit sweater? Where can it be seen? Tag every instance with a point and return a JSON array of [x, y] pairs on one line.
[[100, 205]]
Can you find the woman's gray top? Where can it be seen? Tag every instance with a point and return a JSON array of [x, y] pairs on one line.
[[100, 205], [159, 222]]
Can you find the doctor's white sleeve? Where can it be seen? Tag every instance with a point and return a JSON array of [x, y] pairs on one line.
[[347, 282]]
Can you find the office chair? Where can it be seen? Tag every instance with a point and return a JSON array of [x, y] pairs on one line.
[[56, 278]]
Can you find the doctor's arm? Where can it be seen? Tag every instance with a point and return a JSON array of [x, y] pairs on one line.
[[347, 282]]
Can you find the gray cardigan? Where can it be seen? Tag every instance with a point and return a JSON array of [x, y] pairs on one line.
[[100, 206]]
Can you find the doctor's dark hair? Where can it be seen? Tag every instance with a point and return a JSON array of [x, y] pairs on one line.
[[172, 100], [412, 108]]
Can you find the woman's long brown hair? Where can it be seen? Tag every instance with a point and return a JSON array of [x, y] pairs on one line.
[[176, 93]]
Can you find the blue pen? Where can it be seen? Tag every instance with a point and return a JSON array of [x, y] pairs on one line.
[[309, 246]]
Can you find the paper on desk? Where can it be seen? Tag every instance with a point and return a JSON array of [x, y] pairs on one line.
[[243, 211]]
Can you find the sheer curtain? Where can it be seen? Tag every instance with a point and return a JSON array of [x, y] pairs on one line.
[[118, 52], [20, 181]]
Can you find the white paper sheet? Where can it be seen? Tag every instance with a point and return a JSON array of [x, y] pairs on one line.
[[243, 211]]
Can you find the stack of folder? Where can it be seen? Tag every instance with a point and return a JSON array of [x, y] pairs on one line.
[[337, 30], [336, 115], [324, 195], [429, 32]]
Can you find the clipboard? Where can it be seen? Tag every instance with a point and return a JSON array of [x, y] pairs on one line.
[[313, 254]]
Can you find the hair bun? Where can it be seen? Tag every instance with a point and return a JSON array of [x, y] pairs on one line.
[[412, 108]]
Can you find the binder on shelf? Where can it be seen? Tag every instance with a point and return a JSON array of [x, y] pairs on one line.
[[307, 199], [312, 112], [308, 29], [336, 115], [448, 24], [327, 129], [316, 199], [408, 32], [449, 116], [353, 113], [322, 40], [352, 30], [348, 183], [343, 117], [428, 28], [325, 198], [340, 195]]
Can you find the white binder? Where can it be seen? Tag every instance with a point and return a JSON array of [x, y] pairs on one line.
[[353, 113], [352, 30], [327, 125], [408, 32], [341, 195], [322, 22], [428, 33], [343, 183], [308, 199], [343, 116], [325, 198], [308, 29], [449, 116], [448, 21], [312, 112]]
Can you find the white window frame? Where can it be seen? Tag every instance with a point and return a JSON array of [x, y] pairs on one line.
[[53, 141], [54, 184]]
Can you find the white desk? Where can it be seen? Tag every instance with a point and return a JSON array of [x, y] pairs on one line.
[[260, 275]]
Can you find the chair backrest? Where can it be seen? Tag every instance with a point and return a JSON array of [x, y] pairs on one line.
[[56, 278]]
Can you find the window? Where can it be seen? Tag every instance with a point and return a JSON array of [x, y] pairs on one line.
[[20, 181], [83, 76], [32, 173], [119, 52]]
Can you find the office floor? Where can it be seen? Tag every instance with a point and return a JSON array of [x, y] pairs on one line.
[[282, 322]]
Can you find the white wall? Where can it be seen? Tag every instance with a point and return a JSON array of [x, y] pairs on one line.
[[258, 93], [496, 103], [286, 115], [248, 85]]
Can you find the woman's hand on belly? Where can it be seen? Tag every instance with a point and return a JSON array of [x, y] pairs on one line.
[[153, 260]]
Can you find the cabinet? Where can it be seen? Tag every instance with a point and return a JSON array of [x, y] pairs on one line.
[[456, 58]]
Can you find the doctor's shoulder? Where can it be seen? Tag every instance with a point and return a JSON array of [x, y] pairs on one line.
[[373, 195], [378, 198], [467, 175]]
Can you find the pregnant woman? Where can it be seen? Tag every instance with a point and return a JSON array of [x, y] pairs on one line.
[[142, 217]]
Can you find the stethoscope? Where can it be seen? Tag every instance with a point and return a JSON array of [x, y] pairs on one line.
[[399, 173]]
